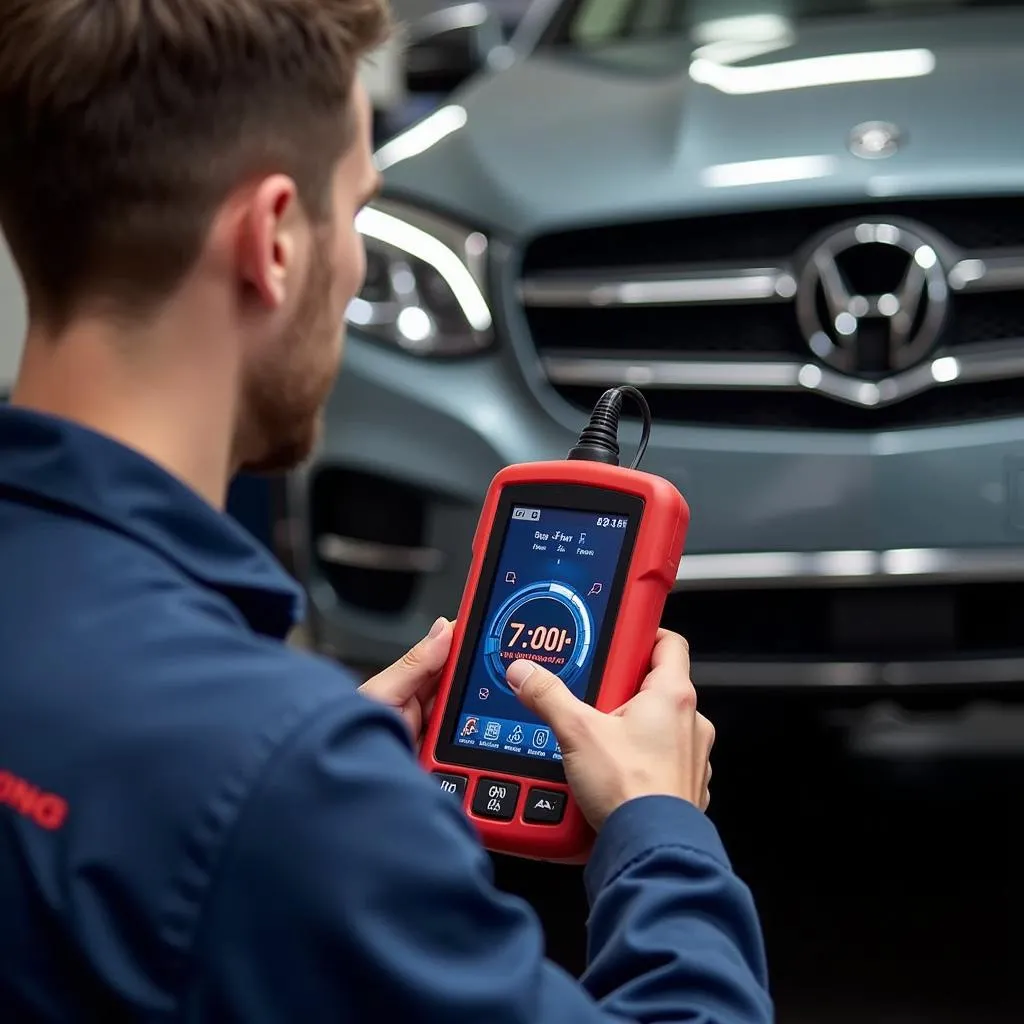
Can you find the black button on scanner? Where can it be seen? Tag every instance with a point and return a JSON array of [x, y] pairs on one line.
[[455, 785], [496, 798], [544, 807]]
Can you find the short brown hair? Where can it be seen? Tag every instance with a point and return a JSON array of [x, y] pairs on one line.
[[124, 124]]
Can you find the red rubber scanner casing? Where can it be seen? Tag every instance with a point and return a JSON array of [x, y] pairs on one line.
[[650, 576]]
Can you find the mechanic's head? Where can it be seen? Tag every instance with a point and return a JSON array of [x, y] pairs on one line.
[[176, 163]]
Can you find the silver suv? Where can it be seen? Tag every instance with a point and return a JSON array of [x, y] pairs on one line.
[[799, 227]]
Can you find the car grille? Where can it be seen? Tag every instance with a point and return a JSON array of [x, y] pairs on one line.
[[702, 313], [847, 643], [910, 622]]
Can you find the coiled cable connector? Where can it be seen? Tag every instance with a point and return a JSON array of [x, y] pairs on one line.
[[599, 439]]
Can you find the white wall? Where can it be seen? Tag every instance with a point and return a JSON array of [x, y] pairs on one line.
[[12, 319], [383, 74]]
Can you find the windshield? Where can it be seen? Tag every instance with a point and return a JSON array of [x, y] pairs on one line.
[[590, 23]]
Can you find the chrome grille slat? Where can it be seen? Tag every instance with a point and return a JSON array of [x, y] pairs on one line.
[[700, 285], [684, 286], [995, 362], [989, 272], [597, 370]]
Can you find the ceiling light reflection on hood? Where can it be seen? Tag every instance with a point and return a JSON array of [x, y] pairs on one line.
[[420, 137], [809, 72], [728, 41], [763, 172], [744, 27]]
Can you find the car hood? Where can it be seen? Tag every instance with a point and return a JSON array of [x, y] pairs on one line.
[[563, 138]]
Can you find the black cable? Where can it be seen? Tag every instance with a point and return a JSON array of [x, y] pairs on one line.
[[599, 439]]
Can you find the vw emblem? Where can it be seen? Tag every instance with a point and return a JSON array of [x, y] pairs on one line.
[[875, 140], [873, 297]]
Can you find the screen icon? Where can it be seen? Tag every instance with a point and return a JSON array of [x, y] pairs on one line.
[[595, 589], [530, 514], [510, 577], [540, 738], [484, 693], [470, 726], [492, 730], [516, 735]]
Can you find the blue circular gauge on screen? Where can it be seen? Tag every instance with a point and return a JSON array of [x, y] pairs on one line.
[[545, 622]]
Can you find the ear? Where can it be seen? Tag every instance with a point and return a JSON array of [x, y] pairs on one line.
[[269, 240]]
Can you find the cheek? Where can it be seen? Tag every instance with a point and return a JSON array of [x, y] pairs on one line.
[[351, 264]]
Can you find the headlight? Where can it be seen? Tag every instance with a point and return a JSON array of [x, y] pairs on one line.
[[424, 283]]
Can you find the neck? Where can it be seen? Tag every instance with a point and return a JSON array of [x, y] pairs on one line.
[[165, 390]]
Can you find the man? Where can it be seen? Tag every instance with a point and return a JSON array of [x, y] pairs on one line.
[[197, 822]]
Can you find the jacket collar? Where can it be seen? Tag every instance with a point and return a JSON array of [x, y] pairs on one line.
[[78, 472]]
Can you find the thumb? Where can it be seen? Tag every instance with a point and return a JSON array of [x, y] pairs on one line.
[[415, 669], [548, 697]]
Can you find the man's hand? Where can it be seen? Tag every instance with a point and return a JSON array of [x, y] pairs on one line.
[[410, 684], [654, 745]]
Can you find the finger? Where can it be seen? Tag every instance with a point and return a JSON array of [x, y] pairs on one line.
[[670, 665], [705, 733], [706, 736], [413, 715], [549, 698], [671, 689], [672, 650], [416, 670], [428, 706]]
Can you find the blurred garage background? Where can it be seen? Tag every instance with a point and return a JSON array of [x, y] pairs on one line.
[[798, 225]]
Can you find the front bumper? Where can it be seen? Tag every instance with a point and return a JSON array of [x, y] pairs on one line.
[[814, 559]]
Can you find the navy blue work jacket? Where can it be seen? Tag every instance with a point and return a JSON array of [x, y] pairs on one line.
[[199, 823]]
